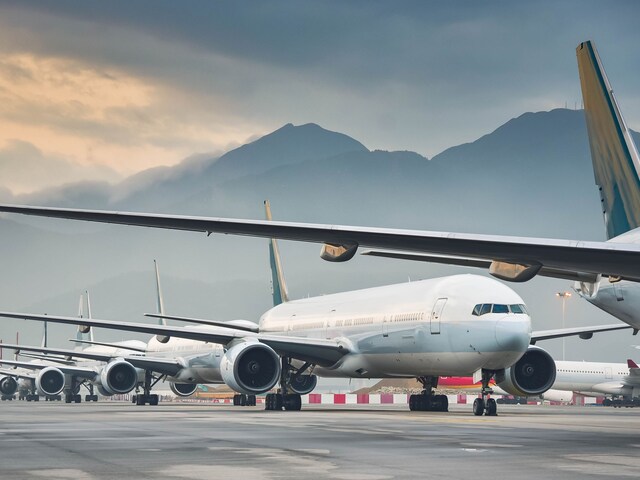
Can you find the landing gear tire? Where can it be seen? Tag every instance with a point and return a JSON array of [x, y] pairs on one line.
[[77, 398], [478, 407], [273, 401], [491, 408], [428, 403], [91, 398], [292, 402]]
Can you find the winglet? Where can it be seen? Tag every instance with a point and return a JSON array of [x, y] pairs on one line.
[[631, 364], [279, 286], [616, 164]]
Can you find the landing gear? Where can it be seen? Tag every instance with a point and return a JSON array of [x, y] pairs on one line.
[[242, 400], [427, 401], [32, 397], [147, 397], [282, 399], [53, 398], [73, 398], [8, 397], [92, 397], [485, 405]]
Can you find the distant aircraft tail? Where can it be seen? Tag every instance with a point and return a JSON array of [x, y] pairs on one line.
[[616, 164], [160, 304], [84, 329], [278, 285]]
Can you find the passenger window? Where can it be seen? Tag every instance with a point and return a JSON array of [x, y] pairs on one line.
[[498, 308], [486, 308]]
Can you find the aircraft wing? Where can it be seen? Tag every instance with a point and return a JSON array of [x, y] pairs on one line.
[[486, 263], [159, 365], [583, 332], [59, 351], [607, 258], [16, 373], [201, 321], [317, 351], [71, 370]]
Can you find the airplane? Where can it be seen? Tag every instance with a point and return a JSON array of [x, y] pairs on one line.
[[619, 380], [425, 329]]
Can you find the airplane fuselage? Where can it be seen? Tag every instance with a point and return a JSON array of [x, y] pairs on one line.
[[424, 328]]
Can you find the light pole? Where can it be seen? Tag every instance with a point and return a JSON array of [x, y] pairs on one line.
[[563, 296]]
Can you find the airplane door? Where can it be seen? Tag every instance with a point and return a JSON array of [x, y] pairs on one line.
[[436, 314], [607, 373], [385, 326]]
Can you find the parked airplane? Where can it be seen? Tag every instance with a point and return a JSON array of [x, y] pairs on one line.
[[618, 380], [456, 325]]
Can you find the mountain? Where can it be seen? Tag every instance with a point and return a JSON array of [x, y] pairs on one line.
[[531, 176]]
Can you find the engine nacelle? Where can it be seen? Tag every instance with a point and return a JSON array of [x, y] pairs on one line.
[[50, 381], [250, 368], [118, 377], [532, 375], [183, 389], [303, 384], [557, 396], [8, 386]]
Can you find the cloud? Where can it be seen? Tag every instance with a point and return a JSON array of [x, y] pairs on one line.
[[416, 75], [24, 169]]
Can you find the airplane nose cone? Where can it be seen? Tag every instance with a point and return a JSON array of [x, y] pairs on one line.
[[514, 333]]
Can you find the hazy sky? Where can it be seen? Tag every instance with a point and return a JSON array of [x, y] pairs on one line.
[[130, 85]]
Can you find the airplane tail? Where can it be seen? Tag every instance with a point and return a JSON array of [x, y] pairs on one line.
[[278, 284], [83, 329], [160, 300], [616, 164]]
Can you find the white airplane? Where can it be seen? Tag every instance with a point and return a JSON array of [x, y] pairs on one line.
[[619, 380], [456, 325]]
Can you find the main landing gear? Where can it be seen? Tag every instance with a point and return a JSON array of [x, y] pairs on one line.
[[283, 399], [427, 401], [92, 397], [147, 397], [484, 405], [73, 394], [242, 400]]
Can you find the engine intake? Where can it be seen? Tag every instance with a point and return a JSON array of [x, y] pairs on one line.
[[50, 381], [303, 384], [118, 377], [533, 374], [8, 386], [183, 389], [250, 368]]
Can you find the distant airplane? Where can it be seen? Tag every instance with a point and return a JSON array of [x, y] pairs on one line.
[[619, 380]]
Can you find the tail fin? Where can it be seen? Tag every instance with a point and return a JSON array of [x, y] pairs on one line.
[[160, 300], [616, 164], [631, 363], [45, 335], [278, 285], [83, 329]]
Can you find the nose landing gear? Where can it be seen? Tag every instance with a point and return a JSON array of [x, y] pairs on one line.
[[484, 405]]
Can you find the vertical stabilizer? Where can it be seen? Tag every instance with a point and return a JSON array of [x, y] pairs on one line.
[[278, 285], [615, 158], [160, 304], [90, 333], [45, 335]]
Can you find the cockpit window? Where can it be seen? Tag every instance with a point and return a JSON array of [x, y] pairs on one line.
[[499, 308], [518, 308], [484, 308]]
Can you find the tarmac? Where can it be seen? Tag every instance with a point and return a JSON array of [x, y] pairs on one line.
[[207, 441]]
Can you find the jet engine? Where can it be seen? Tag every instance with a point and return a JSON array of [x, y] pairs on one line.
[[183, 389], [8, 386], [532, 375], [303, 384], [118, 377], [50, 381], [250, 368]]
